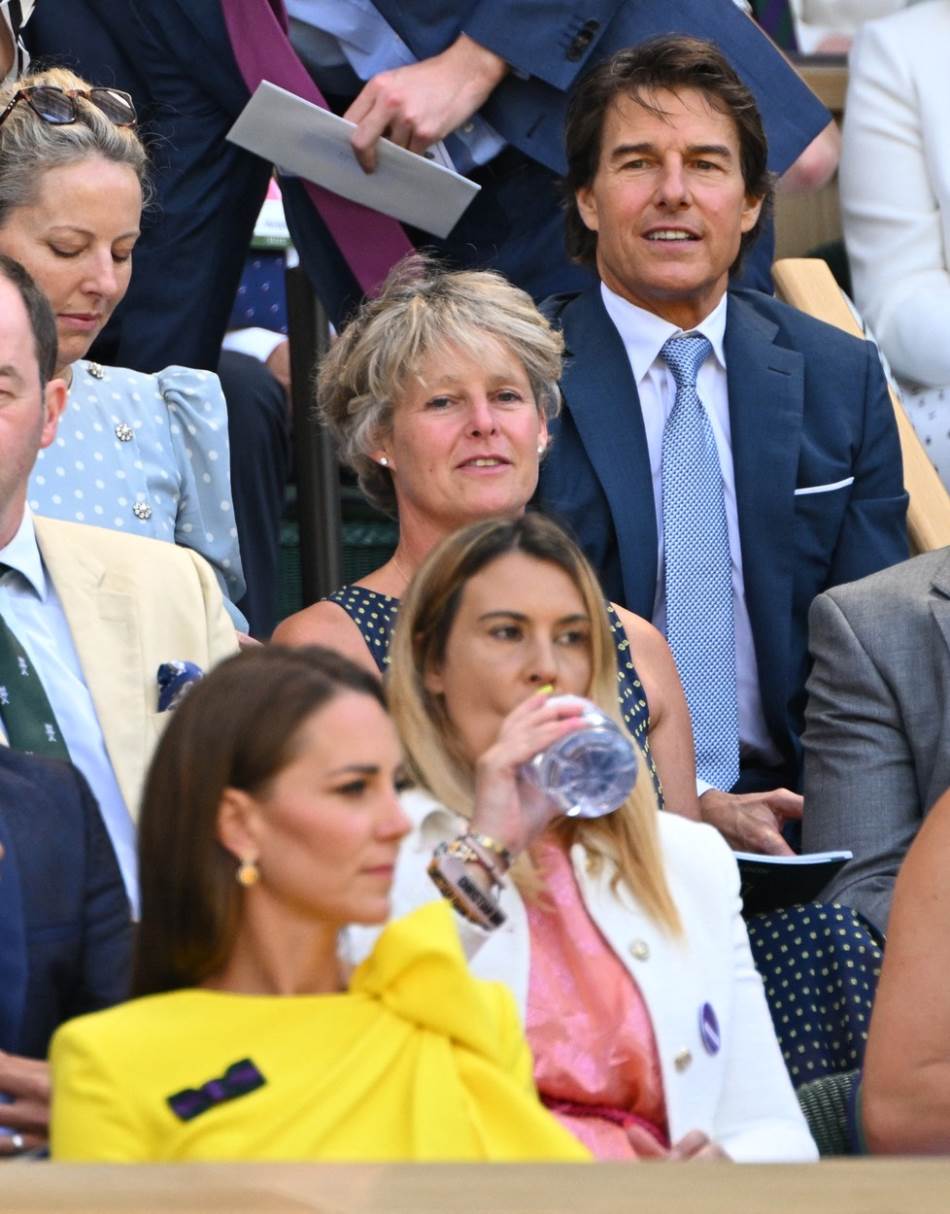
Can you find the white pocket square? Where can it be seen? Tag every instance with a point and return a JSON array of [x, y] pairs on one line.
[[848, 480]]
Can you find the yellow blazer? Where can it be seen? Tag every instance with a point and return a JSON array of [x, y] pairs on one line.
[[417, 1060]]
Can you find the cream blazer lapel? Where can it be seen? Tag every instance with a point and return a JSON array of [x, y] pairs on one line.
[[102, 612]]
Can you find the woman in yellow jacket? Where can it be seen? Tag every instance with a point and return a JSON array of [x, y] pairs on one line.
[[270, 822]]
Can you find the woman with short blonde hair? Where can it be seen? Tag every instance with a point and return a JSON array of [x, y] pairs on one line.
[[438, 393]]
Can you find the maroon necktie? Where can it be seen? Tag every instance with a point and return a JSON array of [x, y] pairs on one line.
[[370, 242]]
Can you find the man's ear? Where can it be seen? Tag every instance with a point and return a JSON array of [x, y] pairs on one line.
[[54, 402], [239, 824], [587, 208], [750, 213]]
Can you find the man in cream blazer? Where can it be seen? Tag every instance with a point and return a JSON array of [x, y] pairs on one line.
[[95, 612], [132, 604]]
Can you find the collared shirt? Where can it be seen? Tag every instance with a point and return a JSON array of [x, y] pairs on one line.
[[31, 607], [355, 33], [644, 335]]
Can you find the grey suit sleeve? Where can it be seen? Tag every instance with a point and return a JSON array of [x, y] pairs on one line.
[[860, 782]]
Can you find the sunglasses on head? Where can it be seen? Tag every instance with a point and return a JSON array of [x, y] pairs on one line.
[[58, 106]]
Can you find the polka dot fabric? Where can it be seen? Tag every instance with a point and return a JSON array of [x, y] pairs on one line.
[[146, 454], [929, 412], [820, 964], [633, 699], [375, 616], [698, 569]]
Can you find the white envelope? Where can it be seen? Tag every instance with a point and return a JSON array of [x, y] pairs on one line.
[[310, 142]]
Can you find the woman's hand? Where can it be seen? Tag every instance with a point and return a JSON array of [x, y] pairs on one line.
[[694, 1146], [506, 808]]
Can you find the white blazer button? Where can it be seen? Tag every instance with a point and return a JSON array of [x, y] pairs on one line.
[[640, 950], [682, 1060]]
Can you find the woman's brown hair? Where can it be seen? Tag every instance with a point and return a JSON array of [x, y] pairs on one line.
[[237, 728]]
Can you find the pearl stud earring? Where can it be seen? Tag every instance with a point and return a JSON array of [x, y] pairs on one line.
[[383, 462]]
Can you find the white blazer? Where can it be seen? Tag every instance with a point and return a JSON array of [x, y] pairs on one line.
[[895, 187], [816, 19], [740, 1095]]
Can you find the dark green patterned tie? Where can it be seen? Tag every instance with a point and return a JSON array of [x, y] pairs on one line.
[[27, 715]]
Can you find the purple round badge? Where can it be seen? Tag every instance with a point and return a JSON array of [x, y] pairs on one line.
[[709, 1029]]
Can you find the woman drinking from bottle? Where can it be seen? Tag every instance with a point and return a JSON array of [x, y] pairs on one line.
[[621, 936]]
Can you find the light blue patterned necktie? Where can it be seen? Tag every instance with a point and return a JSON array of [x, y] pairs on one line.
[[700, 624]]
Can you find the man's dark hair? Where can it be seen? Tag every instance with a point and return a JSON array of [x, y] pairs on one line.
[[42, 320], [673, 62]]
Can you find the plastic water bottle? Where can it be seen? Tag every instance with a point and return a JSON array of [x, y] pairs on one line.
[[589, 772]]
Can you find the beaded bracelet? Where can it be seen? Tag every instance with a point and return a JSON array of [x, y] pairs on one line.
[[491, 845], [466, 849]]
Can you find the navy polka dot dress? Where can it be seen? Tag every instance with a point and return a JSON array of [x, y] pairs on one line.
[[820, 963]]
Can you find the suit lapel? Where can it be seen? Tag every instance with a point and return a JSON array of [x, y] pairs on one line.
[[940, 599], [766, 399], [13, 963], [601, 397], [102, 614]]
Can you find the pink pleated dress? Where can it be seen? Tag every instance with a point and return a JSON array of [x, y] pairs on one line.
[[596, 1064]]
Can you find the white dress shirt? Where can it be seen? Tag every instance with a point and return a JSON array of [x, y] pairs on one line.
[[30, 606], [644, 335]]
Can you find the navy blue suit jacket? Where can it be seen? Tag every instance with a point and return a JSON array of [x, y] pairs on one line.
[[808, 407], [550, 43], [65, 928], [175, 57]]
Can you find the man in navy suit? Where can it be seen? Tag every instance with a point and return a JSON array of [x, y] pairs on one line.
[[492, 76], [65, 928], [667, 171]]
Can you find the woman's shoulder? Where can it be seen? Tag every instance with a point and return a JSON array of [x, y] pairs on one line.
[[419, 971], [187, 387], [188, 384], [119, 1031], [326, 623]]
